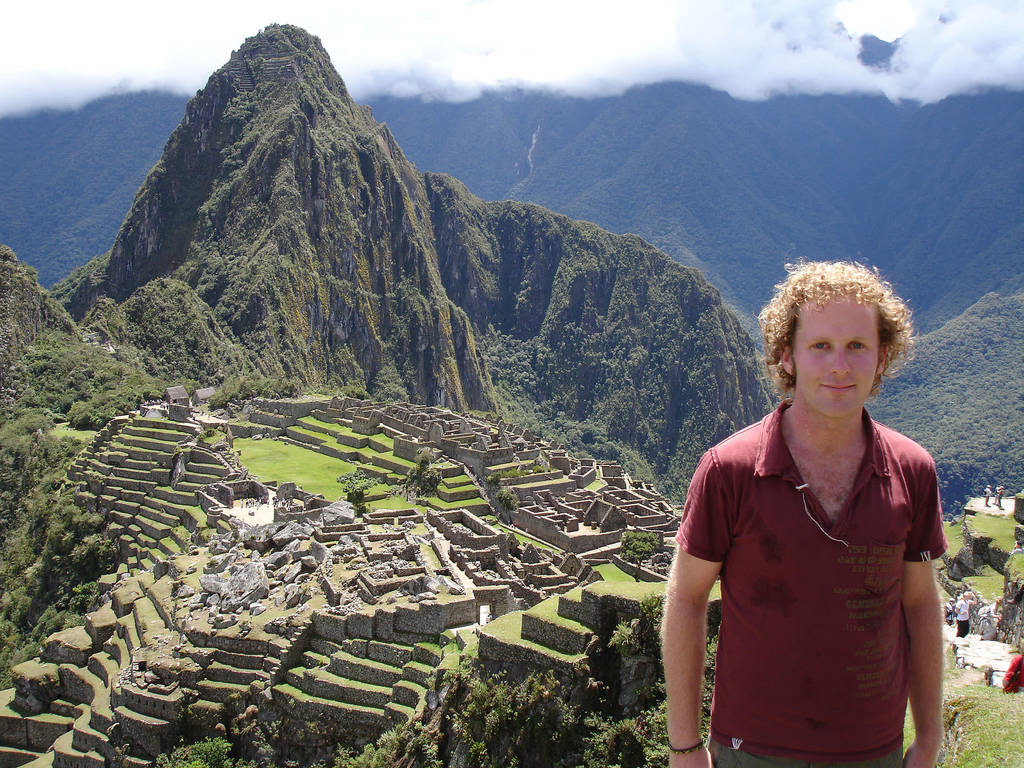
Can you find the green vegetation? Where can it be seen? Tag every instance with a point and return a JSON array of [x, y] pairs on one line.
[[209, 753], [51, 551], [423, 479], [240, 388], [954, 536], [275, 461], [496, 477], [983, 720], [637, 546], [988, 584], [998, 528], [972, 439], [355, 485], [612, 572], [507, 499], [71, 174], [77, 382]]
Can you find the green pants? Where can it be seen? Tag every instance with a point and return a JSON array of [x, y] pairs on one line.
[[723, 757]]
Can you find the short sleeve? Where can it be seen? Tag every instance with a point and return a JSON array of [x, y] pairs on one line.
[[926, 540], [706, 528]]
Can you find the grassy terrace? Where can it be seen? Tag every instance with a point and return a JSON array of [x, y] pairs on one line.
[[524, 538], [612, 572], [954, 536], [998, 527], [988, 717], [64, 430], [439, 503], [548, 610], [509, 628], [275, 461], [340, 429], [636, 590], [989, 584]]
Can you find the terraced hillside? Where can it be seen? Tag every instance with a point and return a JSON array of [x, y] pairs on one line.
[[250, 594]]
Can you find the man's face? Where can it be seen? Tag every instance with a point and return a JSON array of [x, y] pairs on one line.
[[835, 357]]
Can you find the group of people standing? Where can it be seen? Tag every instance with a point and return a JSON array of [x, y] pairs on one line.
[[998, 494]]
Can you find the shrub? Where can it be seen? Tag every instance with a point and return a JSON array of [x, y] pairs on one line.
[[507, 499]]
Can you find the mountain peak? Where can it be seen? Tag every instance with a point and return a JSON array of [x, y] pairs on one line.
[[281, 53]]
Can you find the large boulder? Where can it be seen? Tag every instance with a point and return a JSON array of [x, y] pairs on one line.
[[247, 585]]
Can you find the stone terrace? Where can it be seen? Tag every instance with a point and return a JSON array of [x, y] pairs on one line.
[[313, 613]]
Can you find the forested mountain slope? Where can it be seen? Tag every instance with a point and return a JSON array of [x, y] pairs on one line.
[[962, 397], [932, 195]]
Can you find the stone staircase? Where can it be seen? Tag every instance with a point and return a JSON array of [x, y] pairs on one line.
[[239, 68]]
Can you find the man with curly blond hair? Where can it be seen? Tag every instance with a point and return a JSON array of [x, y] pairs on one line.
[[822, 524]]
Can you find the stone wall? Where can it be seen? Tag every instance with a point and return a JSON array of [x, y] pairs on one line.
[[249, 430], [549, 531], [1011, 622], [295, 409], [637, 572]]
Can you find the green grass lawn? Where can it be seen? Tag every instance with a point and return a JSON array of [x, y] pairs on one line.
[[274, 461], [63, 430], [955, 536], [1000, 528], [510, 629], [612, 572], [991, 722], [988, 585]]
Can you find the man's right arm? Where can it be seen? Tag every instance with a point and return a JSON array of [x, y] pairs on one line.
[[683, 639]]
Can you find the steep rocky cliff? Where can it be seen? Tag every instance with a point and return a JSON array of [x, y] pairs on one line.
[[322, 254], [596, 326], [299, 221], [25, 309]]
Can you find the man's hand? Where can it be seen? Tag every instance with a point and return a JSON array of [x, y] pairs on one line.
[[919, 757], [699, 759]]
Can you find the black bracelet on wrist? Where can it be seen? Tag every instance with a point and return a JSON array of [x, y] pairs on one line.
[[686, 751]]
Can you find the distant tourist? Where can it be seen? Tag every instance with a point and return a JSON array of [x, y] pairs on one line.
[[950, 611], [963, 612], [988, 493], [1013, 680], [1000, 490], [822, 524]]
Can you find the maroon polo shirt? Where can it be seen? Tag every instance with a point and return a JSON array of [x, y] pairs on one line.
[[813, 649]]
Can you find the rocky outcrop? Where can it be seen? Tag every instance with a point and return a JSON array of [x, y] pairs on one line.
[[25, 309]]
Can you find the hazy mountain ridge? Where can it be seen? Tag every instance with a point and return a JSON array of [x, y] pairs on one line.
[[962, 397], [69, 176], [739, 188]]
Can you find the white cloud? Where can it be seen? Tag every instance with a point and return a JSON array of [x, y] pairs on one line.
[[64, 53]]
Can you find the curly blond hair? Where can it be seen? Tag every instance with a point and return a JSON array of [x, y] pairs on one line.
[[819, 282]]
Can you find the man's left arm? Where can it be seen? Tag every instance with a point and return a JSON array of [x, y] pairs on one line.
[[924, 625]]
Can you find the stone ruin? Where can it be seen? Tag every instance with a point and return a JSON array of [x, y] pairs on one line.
[[238, 596]]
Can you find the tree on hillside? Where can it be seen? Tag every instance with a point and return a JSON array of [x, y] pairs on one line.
[[356, 484], [637, 546], [423, 479]]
